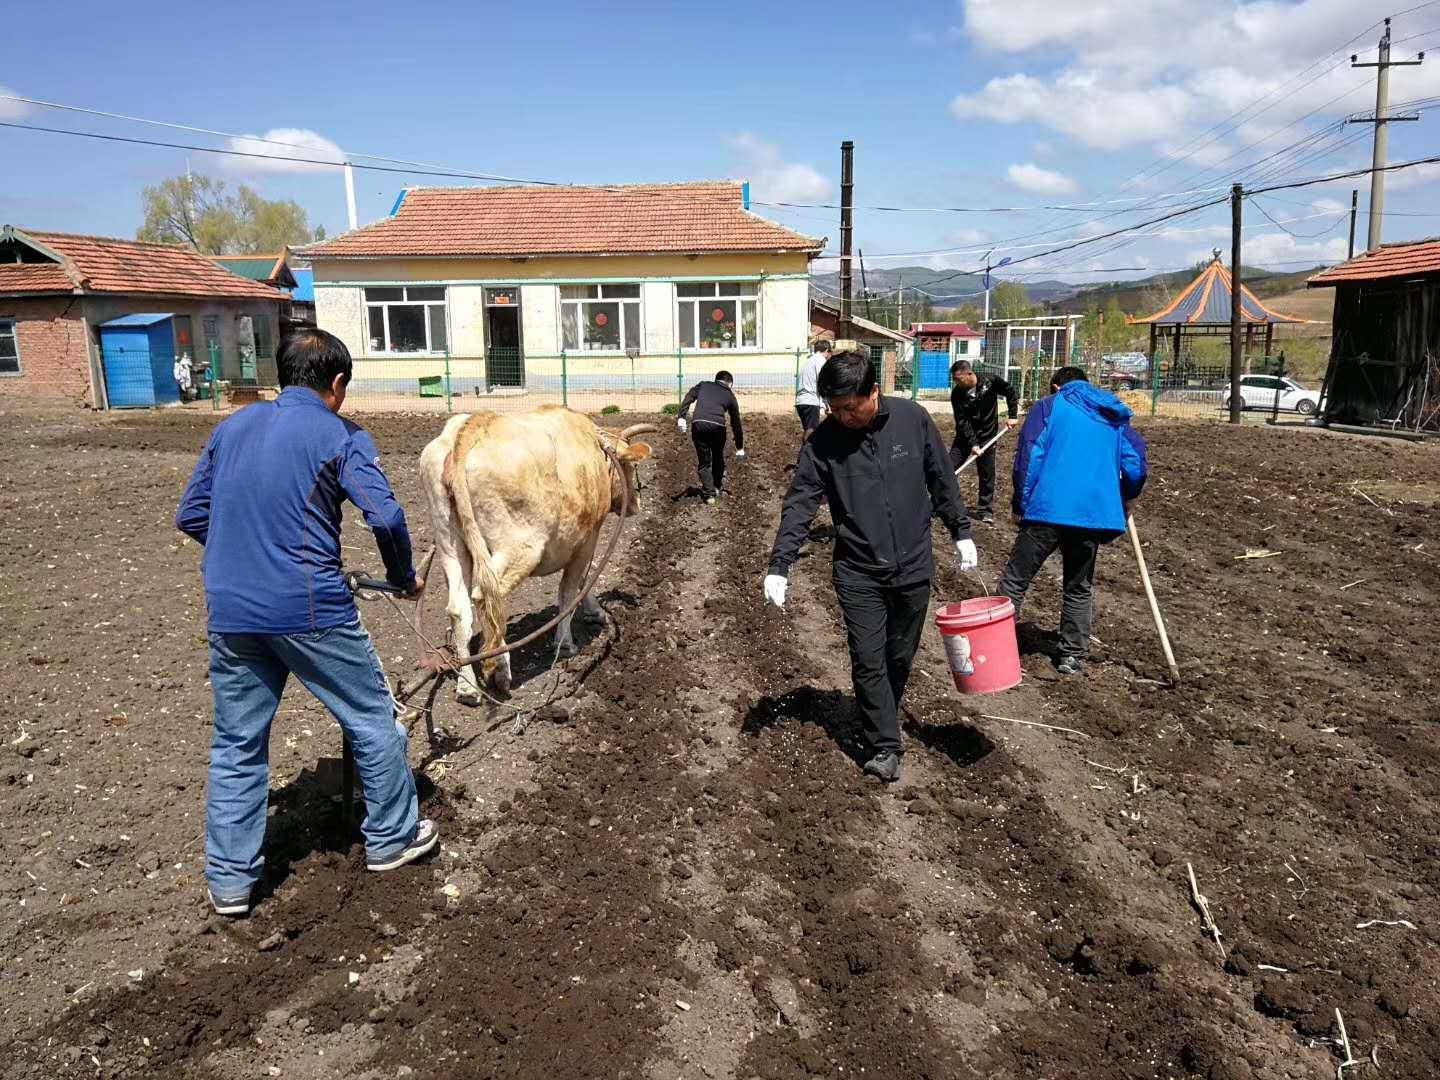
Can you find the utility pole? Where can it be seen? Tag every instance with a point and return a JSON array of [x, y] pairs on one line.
[[900, 304], [1237, 202], [350, 196], [1354, 209], [1381, 119], [847, 202]]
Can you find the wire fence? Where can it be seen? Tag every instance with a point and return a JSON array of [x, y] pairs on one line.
[[510, 379]]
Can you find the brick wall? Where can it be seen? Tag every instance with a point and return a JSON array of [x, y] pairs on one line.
[[54, 352]]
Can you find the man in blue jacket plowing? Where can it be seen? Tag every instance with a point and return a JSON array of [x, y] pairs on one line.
[[1078, 467]]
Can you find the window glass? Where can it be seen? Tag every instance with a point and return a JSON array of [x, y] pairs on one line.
[[570, 326], [375, 296], [601, 318], [9, 348], [407, 328], [579, 292], [437, 328], [377, 329], [428, 292], [620, 292], [602, 326], [631, 314], [716, 315]]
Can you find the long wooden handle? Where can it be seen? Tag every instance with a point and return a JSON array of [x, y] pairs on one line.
[[976, 457], [1150, 596]]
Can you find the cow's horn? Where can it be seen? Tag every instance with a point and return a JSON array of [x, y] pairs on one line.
[[638, 429]]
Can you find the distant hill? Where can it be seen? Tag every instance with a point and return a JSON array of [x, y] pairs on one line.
[[947, 288]]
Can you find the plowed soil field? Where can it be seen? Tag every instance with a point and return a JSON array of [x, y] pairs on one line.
[[678, 870]]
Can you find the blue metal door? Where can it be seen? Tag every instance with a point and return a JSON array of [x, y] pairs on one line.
[[129, 376], [934, 370]]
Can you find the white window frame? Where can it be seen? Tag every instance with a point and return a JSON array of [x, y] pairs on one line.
[[693, 304], [12, 326], [638, 300], [404, 301]]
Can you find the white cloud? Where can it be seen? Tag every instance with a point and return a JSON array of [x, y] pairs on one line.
[[1413, 177], [298, 143], [772, 178], [12, 110], [1116, 73], [1282, 249], [1033, 180], [1088, 105], [964, 237]]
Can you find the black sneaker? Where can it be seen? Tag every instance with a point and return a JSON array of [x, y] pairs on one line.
[[1070, 665], [427, 835], [885, 765]]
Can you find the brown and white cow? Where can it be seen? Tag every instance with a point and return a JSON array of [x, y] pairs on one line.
[[515, 496]]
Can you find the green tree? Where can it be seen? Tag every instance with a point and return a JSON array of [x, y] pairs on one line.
[[201, 214], [1009, 300]]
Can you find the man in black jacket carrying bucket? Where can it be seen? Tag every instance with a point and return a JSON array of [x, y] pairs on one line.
[[882, 464]]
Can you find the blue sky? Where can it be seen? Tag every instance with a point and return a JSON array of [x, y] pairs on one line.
[[1109, 105]]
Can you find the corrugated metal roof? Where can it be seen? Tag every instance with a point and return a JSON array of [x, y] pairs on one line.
[[1206, 302], [1413, 259], [518, 221], [254, 267], [139, 319]]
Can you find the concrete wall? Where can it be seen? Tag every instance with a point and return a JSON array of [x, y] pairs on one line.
[[784, 314], [342, 312], [467, 319], [540, 319]]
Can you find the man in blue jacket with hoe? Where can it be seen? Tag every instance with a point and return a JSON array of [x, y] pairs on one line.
[[265, 501], [1078, 467]]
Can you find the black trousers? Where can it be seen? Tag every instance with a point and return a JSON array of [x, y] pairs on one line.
[[809, 417], [984, 469], [1078, 548], [883, 625], [709, 442]]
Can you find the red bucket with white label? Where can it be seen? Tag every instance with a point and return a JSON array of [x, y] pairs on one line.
[[980, 644]]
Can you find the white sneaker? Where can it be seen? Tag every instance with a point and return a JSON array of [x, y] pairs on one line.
[[230, 905], [427, 835]]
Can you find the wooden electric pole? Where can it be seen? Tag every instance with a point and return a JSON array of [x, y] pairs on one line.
[[847, 203], [1237, 202], [1381, 119]]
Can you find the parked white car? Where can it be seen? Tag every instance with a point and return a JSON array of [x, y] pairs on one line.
[[1258, 392]]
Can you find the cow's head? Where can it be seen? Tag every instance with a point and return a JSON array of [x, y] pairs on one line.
[[629, 454]]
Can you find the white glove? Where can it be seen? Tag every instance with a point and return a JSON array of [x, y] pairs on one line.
[[680, 425], [739, 455], [775, 586], [969, 557]]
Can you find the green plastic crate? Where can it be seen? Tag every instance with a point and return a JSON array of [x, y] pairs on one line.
[[432, 386]]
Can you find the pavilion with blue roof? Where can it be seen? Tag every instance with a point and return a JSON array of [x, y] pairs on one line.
[[1202, 309]]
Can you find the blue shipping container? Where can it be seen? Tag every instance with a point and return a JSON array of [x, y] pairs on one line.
[[139, 357]]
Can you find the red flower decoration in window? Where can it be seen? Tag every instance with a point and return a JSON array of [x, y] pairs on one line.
[[601, 319], [718, 314]]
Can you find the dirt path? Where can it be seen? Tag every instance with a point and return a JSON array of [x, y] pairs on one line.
[[689, 877]]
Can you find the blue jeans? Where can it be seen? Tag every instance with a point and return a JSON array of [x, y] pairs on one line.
[[247, 674]]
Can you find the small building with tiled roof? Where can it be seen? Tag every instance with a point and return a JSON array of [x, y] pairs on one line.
[[280, 270], [1384, 365], [503, 288], [56, 289]]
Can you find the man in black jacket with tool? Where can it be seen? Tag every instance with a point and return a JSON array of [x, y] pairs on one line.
[[975, 402], [882, 464], [713, 402]]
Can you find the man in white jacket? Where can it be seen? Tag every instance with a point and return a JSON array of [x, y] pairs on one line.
[[808, 404]]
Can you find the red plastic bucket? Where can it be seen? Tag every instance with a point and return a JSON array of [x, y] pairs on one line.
[[980, 645]]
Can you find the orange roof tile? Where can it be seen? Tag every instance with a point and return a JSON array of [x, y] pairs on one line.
[[1386, 261], [515, 221], [102, 264], [34, 278]]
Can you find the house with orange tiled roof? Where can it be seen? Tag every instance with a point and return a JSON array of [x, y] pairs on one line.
[[505, 288], [58, 289]]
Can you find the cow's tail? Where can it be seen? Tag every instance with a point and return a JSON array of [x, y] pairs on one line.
[[485, 588]]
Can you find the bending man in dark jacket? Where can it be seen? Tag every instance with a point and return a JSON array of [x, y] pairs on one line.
[[975, 402], [713, 402], [265, 500], [882, 464], [1077, 468]]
